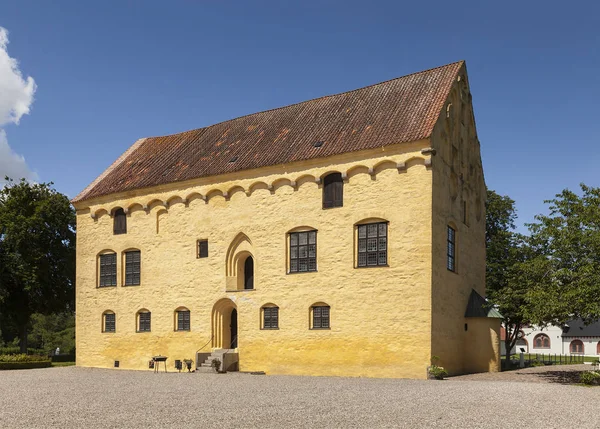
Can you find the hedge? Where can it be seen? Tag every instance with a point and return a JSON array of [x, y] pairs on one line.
[[25, 365], [63, 358], [16, 350]]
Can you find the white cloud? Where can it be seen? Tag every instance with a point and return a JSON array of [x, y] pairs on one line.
[[16, 97], [12, 164]]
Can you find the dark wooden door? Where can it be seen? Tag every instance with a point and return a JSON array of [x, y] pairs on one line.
[[233, 329]]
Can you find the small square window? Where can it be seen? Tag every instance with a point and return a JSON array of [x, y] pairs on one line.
[[202, 248]]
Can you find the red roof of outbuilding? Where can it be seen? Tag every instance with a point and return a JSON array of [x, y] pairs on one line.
[[396, 111]]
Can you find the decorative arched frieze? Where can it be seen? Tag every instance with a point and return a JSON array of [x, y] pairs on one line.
[[235, 189], [215, 193], [259, 185], [167, 201], [283, 182]]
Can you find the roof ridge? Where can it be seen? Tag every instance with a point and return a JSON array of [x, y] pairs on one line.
[[310, 100]]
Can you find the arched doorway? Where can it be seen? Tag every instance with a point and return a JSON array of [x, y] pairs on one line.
[[249, 273], [225, 325]]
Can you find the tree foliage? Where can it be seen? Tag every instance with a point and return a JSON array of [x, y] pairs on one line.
[[569, 237], [37, 253]]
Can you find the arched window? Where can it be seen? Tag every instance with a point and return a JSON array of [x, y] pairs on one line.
[[333, 191], [249, 273], [372, 244], [303, 251], [107, 269], [320, 316], [182, 319], [119, 222], [576, 347], [541, 341], [132, 267], [109, 321], [143, 321], [270, 316]]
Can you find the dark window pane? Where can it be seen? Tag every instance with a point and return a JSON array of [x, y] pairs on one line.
[[183, 320], [362, 245], [371, 258], [320, 317], [362, 231], [451, 249], [303, 238], [202, 248], [333, 190], [303, 256], [120, 222], [132, 268], [302, 252], [108, 270], [109, 322], [372, 244], [271, 317], [362, 260], [144, 322]]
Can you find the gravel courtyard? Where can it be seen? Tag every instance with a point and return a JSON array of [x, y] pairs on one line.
[[87, 398]]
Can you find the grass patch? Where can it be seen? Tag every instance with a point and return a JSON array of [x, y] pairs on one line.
[[56, 364]]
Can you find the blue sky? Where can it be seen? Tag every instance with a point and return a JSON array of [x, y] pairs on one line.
[[110, 72]]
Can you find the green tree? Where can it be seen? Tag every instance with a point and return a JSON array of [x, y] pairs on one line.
[[570, 238], [37, 253], [513, 267]]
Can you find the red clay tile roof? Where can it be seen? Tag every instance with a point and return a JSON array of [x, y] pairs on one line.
[[396, 111]]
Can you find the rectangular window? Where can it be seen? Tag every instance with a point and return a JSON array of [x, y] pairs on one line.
[[183, 320], [303, 251], [109, 322], [144, 322], [320, 317], [132, 268], [372, 244], [465, 212], [202, 248], [451, 263], [271, 318], [108, 270]]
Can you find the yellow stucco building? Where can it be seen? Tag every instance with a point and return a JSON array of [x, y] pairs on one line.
[[339, 236]]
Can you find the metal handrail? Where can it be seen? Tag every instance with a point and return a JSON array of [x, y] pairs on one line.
[[211, 338]]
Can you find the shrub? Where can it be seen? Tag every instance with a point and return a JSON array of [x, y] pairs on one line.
[[436, 371], [23, 361], [23, 358], [216, 364], [16, 350], [590, 377]]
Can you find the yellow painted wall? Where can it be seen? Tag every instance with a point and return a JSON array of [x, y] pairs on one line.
[[457, 178], [380, 317], [482, 345]]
